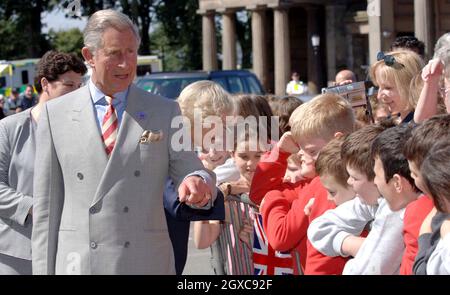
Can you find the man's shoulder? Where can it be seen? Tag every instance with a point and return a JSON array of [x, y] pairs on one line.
[[152, 100], [68, 99]]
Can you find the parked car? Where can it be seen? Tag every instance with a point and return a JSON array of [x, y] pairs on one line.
[[170, 84]]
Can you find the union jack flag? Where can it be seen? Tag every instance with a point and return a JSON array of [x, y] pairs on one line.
[[267, 261]]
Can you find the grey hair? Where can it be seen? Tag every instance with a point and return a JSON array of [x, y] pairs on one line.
[[442, 47], [100, 21]]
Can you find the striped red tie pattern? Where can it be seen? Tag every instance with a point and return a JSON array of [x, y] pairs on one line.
[[110, 127]]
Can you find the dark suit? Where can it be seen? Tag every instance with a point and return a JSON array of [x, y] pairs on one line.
[[178, 218]]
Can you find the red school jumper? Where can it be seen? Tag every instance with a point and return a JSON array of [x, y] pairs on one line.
[[284, 219], [415, 214]]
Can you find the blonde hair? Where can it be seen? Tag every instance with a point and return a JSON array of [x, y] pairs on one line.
[[322, 117], [402, 76], [208, 97]]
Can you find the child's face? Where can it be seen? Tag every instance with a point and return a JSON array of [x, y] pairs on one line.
[[293, 172], [387, 190], [388, 94], [364, 188], [336, 192], [309, 150], [417, 176], [213, 147], [246, 160], [214, 158]]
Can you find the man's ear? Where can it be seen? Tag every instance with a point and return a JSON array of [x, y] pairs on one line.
[[88, 56], [398, 183]]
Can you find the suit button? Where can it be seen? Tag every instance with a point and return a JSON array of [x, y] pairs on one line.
[[127, 244], [137, 173], [93, 245], [80, 176], [125, 209]]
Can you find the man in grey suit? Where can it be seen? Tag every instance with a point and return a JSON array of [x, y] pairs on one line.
[[103, 155]]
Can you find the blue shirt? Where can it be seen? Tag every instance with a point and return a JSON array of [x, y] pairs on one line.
[[100, 104]]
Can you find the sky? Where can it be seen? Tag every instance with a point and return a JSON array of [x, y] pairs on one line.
[[57, 21]]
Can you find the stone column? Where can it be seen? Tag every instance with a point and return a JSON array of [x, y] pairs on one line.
[[228, 40], [335, 35], [381, 26], [314, 54], [209, 41], [282, 50], [423, 24], [260, 66]]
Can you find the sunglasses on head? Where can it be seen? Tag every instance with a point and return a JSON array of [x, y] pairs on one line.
[[389, 60]]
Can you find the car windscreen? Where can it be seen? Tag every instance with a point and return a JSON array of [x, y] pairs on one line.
[[169, 88]]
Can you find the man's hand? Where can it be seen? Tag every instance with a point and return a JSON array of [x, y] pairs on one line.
[[194, 191], [287, 144]]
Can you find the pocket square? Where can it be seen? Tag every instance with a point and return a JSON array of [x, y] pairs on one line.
[[151, 136]]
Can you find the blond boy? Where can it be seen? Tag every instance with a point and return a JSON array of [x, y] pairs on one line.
[[313, 125]]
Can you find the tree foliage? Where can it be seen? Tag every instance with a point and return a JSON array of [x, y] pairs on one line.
[[70, 41], [24, 17], [182, 26], [169, 28]]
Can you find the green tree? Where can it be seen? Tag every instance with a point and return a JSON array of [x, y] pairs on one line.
[[182, 26], [26, 24], [70, 41], [13, 44], [168, 52]]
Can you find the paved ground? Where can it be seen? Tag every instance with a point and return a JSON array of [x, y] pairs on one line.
[[198, 262]]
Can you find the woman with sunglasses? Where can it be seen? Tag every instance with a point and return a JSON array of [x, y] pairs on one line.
[[393, 73], [57, 74]]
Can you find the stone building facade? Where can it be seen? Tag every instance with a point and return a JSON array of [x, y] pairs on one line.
[[351, 32]]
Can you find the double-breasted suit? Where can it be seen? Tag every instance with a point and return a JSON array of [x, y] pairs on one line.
[[94, 215]]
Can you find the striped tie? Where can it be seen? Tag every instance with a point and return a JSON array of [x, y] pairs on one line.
[[109, 127]]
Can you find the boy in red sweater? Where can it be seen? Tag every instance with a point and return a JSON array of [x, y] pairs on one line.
[[416, 149], [313, 125]]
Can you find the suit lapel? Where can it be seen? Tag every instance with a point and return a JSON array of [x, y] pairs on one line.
[[86, 129], [130, 131]]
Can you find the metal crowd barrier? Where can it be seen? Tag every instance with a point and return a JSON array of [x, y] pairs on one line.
[[231, 256]]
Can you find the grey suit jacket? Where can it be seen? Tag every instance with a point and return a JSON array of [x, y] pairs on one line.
[[16, 184], [94, 216]]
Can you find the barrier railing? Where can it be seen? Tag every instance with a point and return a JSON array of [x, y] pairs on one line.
[[230, 255]]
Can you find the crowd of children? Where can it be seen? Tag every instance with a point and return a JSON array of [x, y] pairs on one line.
[[333, 195]]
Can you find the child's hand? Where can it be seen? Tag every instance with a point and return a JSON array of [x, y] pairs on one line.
[[245, 233], [426, 224], [308, 207], [445, 228], [239, 187], [432, 71], [287, 144]]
